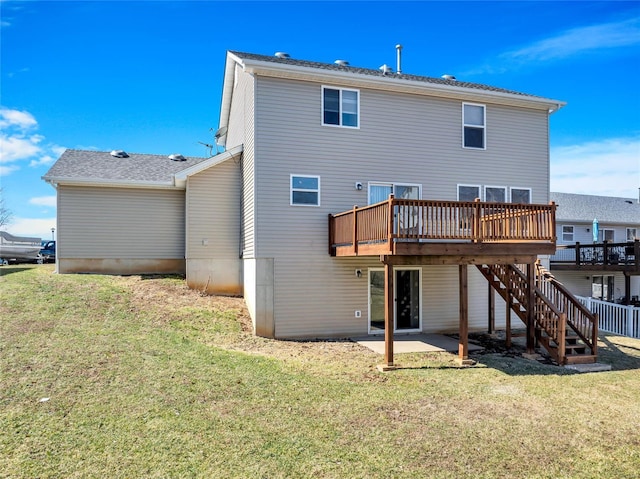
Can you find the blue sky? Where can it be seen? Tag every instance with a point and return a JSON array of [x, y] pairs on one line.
[[146, 76]]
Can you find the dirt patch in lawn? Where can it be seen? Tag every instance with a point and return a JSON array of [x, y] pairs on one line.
[[161, 295]]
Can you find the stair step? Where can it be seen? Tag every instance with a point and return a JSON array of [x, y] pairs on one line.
[[580, 358]]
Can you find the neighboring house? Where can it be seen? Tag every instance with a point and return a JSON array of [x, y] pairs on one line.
[[305, 142], [606, 267]]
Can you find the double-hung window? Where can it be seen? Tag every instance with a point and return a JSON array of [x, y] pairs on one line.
[[305, 190], [567, 234], [632, 234], [340, 107], [473, 126]]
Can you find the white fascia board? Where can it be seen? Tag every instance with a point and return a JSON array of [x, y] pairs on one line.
[[397, 83], [227, 91], [180, 178], [55, 181]]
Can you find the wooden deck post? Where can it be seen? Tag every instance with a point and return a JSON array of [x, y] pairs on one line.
[[507, 313], [354, 233], [388, 315], [492, 310], [531, 306], [463, 346]]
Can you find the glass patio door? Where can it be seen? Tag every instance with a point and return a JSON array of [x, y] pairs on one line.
[[407, 300]]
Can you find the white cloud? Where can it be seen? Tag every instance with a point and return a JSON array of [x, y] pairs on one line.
[[18, 147], [43, 201], [20, 119], [34, 227], [579, 40], [606, 168], [565, 44], [18, 142]]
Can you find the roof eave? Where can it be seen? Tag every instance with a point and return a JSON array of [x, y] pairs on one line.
[[67, 181], [393, 83], [180, 178]]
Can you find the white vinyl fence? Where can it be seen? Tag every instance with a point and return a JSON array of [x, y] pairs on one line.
[[614, 318]]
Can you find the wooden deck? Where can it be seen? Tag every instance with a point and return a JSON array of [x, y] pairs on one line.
[[605, 256], [444, 228]]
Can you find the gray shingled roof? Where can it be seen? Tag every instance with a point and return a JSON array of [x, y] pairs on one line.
[[97, 166], [607, 209], [375, 72]]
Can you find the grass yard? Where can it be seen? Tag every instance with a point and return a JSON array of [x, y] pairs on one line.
[[140, 377]]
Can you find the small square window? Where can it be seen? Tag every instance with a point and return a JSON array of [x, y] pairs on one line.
[[340, 107], [632, 234], [305, 190], [468, 192], [495, 194], [521, 196]]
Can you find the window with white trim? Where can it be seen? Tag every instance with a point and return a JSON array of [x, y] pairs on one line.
[[469, 192], [521, 196], [495, 194], [632, 234], [380, 191], [340, 107], [608, 235], [473, 126], [305, 190], [567, 234]]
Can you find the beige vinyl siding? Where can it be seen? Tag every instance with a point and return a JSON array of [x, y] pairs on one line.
[[120, 223], [213, 212], [421, 144], [241, 132], [213, 230]]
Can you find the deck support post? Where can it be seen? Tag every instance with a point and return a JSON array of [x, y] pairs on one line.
[[388, 315], [463, 346], [507, 315], [531, 306], [491, 326]]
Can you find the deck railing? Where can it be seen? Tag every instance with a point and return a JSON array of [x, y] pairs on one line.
[[601, 254], [416, 220]]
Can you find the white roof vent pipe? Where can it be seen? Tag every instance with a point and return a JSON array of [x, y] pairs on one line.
[[282, 55], [399, 59]]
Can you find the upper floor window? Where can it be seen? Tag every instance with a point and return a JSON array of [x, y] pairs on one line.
[[305, 190], [521, 195], [468, 192], [495, 194], [340, 107], [567, 234], [632, 234], [473, 126]]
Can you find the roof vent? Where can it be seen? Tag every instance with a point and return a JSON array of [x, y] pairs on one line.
[[282, 55], [342, 63], [119, 154], [386, 69], [449, 77], [177, 157]]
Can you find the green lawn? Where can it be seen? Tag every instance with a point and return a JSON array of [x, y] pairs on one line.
[[127, 377]]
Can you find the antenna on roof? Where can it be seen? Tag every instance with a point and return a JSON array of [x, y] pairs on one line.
[[218, 135]]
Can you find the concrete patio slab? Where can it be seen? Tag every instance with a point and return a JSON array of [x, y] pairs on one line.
[[415, 343], [589, 367]]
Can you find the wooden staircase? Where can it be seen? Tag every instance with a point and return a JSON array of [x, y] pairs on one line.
[[563, 326]]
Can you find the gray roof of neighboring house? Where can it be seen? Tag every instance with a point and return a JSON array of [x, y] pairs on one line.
[[607, 209], [100, 166], [374, 72]]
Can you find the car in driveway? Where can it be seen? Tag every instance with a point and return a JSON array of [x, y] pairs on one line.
[[47, 252]]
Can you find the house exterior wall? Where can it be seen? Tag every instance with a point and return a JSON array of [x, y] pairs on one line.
[[120, 230], [213, 261], [315, 294], [583, 232]]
